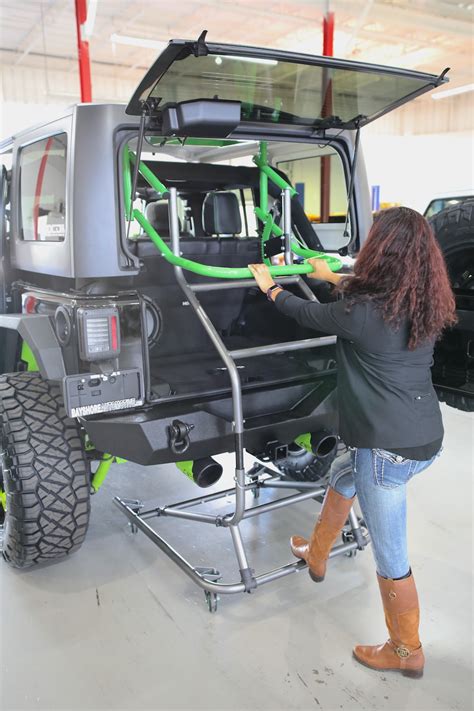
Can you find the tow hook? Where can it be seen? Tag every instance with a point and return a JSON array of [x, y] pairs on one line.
[[178, 434]]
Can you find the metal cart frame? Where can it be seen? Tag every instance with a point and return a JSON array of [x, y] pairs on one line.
[[259, 475]]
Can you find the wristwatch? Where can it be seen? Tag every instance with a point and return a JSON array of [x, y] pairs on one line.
[[271, 289]]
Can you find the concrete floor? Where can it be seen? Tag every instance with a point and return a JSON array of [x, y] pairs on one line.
[[119, 626]]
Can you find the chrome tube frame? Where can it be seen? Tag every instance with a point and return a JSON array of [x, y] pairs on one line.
[[260, 476], [286, 205]]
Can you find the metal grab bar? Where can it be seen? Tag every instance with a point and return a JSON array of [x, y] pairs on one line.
[[212, 285], [279, 347]]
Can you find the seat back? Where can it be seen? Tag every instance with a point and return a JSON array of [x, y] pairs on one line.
[[182, 330]]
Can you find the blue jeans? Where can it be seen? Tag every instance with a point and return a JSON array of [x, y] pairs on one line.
[[379, 480]]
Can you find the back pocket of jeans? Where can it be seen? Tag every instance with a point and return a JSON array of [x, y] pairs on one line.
[[390, 470]]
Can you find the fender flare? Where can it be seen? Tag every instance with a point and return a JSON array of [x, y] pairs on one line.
[[37, 331]]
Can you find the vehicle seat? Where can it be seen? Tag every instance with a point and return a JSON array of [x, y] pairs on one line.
[[221, 214], [157, 214], [182, 330]]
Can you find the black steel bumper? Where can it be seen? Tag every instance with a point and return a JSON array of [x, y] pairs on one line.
[[280, 414]]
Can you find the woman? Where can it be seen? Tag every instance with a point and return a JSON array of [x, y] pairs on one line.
[[394, 307]]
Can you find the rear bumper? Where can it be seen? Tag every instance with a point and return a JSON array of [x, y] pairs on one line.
[[143, 437]]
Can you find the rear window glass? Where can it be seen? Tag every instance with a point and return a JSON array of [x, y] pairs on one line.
[[321, 186], [43, 190], [287, 92]]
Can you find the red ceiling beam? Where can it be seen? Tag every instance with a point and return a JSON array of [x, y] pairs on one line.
[[83, 53]]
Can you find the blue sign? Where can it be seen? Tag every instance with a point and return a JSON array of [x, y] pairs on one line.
[[375, 198]]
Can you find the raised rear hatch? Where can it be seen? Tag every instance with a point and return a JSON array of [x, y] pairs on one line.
[[276, 87]]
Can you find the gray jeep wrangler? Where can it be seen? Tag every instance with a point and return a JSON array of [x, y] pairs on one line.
[[130, 326]]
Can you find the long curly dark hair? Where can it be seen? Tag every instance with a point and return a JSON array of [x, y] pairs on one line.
[[402, 269]]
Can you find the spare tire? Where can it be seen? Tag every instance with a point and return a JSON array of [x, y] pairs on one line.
[[454, 355]]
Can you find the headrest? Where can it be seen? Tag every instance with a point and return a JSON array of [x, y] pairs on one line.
[[157, 213], [221, 214]]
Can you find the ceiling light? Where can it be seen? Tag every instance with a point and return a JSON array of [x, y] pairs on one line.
[[137, 41], [452, 92]]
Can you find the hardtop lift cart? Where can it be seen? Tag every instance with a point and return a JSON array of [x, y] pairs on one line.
[[259, 476]]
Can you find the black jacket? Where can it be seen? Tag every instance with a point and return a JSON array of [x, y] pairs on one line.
[[386, 396]]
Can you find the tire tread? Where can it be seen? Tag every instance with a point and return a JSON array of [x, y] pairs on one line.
[[46, 473]]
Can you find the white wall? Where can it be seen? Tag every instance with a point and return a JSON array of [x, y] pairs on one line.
[[412, 169]]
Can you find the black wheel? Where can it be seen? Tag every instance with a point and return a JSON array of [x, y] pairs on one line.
[[301, 465], [212, 600], [45, 474], [454, 354], [348, 537]]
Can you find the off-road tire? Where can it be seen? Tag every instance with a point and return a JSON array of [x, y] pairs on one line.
[[454, 230], [46, 475]]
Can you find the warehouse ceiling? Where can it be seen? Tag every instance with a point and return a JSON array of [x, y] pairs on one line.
[[38, 37]]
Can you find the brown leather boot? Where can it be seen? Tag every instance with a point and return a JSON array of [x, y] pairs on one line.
[[403, 651], [332, 518]]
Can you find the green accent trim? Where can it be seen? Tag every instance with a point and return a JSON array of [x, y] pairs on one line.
[[187, 468], [3, 500], [304, 440], [103, 469], [28, 357]]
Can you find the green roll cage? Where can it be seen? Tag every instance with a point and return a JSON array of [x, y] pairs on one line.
[[261, 211]]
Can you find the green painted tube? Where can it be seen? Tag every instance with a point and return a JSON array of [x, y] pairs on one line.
[[149, 176], [262, 159], [273, 175], [102, 471], [127, 182], [3, 500], [266, 218], [334, 263], [220, 272]]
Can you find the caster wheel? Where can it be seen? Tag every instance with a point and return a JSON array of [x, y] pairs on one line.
[[256, 492], [211, 599], [348, 537]]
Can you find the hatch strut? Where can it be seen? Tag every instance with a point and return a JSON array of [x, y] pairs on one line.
[[350, 191]]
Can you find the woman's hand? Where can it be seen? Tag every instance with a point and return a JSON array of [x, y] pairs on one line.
[[320, 270], [262, 276]]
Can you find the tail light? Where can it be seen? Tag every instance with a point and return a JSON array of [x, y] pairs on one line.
[[99, 333]]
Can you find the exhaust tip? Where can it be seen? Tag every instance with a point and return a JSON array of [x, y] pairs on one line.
[[323, 443], [206, 472]]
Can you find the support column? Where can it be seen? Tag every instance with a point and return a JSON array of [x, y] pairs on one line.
[[83, 53], [328, 51]]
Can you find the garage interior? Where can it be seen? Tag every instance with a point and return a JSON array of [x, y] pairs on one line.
[[118, 625]]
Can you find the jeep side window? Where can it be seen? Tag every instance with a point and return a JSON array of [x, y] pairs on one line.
[[43, 190], [321, 186]]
